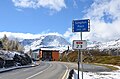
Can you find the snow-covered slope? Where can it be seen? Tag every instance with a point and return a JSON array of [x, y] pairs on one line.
[[105, 45], [98, 75], [53, 40], [45, 41], [58, 41]]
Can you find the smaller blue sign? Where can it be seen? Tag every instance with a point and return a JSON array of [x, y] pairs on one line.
[[81, 25]]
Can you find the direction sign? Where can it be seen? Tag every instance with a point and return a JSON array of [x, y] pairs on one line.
[[79, 44], [81, 25]]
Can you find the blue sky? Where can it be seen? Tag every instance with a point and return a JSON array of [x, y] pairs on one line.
[[31, 18], [41, 19]]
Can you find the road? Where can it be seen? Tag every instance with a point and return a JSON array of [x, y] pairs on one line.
[[88, 67], [47, 70]]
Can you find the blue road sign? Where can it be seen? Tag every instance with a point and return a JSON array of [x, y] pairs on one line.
[[81, 25]]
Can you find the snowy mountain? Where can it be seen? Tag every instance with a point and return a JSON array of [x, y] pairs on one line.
[[53, 40], [45, 41], [105, 45], [34, 41]]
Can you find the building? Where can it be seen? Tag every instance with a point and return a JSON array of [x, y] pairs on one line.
[[48, 53], [35, 55], [51, 54]]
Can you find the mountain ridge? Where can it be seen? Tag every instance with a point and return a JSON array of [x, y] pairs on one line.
[[45, 41], [114, 44]]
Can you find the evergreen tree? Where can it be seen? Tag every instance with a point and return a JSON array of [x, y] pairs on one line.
[[20, 48], [5, 42], [11, 45], [5, 38]]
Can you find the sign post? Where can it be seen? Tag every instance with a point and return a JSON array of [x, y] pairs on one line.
[[80, 26]]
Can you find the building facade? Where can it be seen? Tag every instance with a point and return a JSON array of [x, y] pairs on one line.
[[49, 54]]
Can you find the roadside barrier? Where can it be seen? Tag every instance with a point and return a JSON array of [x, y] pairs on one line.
[[71, 74]]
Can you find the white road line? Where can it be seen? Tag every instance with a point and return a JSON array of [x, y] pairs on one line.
[[66, 72], [38, 73]]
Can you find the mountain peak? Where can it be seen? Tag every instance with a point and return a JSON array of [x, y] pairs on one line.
[[45, 41]]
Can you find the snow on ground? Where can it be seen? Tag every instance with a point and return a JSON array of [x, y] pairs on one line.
[[99, 75]]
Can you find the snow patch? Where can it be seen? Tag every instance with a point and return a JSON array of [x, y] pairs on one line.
[[98, 75]]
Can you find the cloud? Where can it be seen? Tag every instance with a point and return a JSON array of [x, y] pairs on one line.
[[54, 33], [75, 36], [56, 5], [68, 33], [12, 35], [19, 35], [104, 18]]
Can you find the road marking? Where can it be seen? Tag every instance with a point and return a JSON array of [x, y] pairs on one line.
[[38, 73], [66, 72]]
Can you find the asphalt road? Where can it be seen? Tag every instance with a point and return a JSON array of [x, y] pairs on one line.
[[88, 67], [48, 70]]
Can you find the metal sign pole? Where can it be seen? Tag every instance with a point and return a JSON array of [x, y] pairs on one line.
[[78, 62], [80, 26], [81, 59]]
